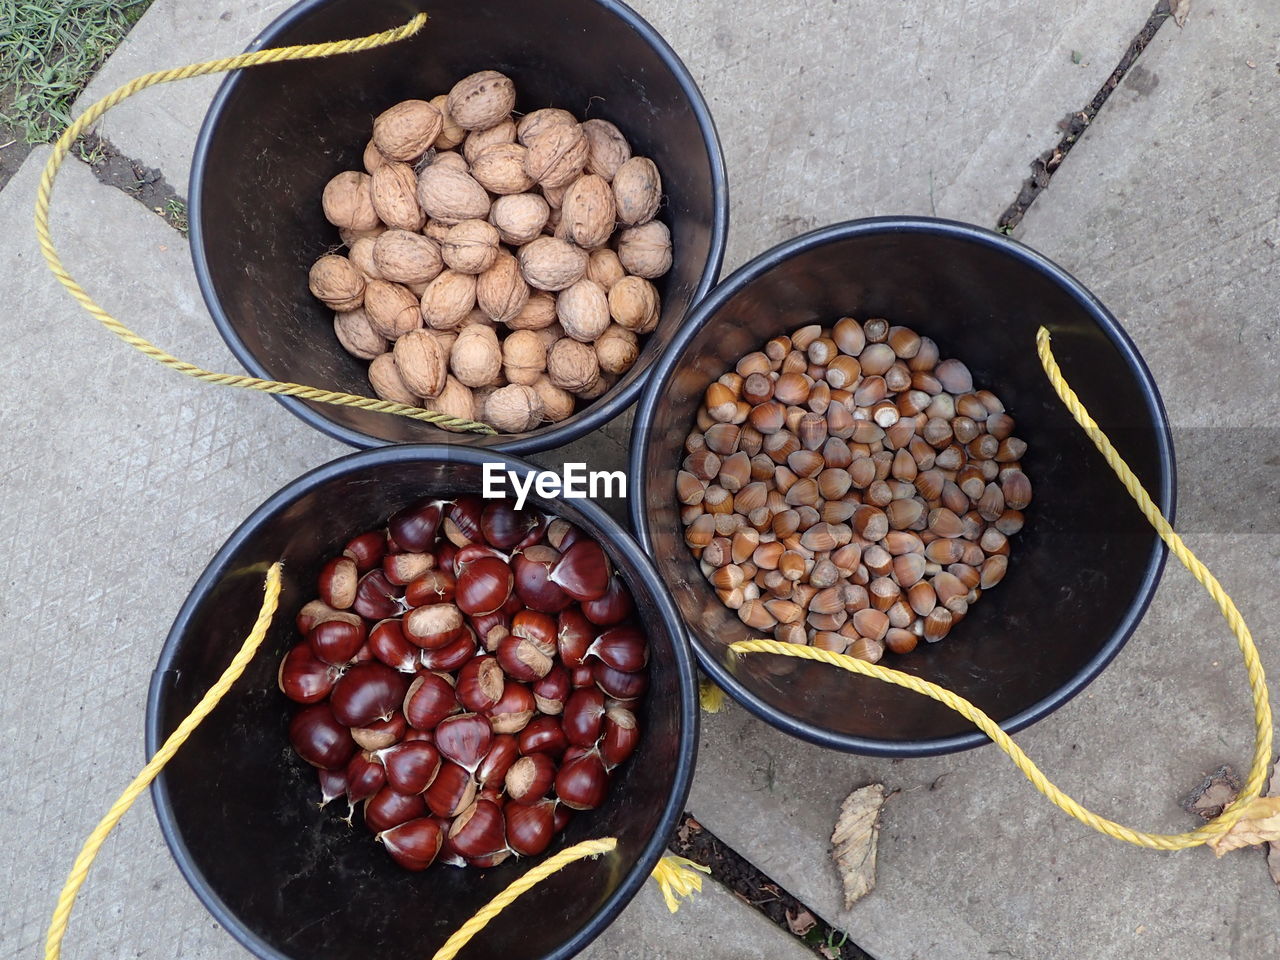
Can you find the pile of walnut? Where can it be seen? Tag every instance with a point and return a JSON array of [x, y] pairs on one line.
[[498, 269]]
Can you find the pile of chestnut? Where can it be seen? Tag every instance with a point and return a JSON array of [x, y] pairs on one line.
[[470, 675]]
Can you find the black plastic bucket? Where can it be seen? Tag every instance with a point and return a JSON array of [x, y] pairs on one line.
[[275, 134], [292, 882], [1083, 569]]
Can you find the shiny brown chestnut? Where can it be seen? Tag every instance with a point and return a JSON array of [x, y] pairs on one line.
[[414, 528], [479, 830], [551, 691], [367, 692], [581, 676], [583, 782], [336, 642], [453, 656], [616, 683], [621, 736], [503, 752], [387, 643], [583, 571], [543, 735], [337, 582], [562, 534], [317, 611], [366, 550], [491, 628], [451, 791], [614, 607], [388, 808], [462, 521], [464, 739], [513, 711], [365, 777], [532, 570], [319, 738], [480, 684], [538, 627], [530, 778], [403, 568], [413, 844], [429, 699], [504, 527], [377, 598], [448, 856], [434, 626], [491, 860], [381, 733], [410, 767], [434, 586], [484, 585], [623, 648], [530, 827], [303, 677], [563, 815], [583, 717], [573, 636], [333, 784], [523, 660], [476, 551]]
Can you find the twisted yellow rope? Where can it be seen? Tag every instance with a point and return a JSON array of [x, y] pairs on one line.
[[80, 869], [276, 55], [678, 877], [1256, 780]]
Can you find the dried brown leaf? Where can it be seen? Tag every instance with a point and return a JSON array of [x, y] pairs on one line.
[[1214, 794], [854, 841], [1259, 823], [1273, 848], [801, 921], [1180, 10]]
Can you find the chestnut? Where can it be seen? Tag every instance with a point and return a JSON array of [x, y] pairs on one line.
[[336, 642], [453, 656], [623, 648], [503, 526], [303, 677], [492, 771], [551, 691], [479, 830], [367, 692], [538, 627], [377, 598], [621, 735], [475, 551], [582, 571], [583, 717], [574, 636], [616, 683], [366, 550], [480, 684], [462, 521], [512, 713], [413, 844], [530, 827], [530, 778], [413, 733], [562, 534], [448, 855], [387, 643], [363, 655], [333, 784], [434, 626], [582, 782], [381, 733], [445, 554], [464, 739], [317, 611], [613, 607], [543, 735], [532, 570], [320, 738], [490, 860], [365, 777], [484, 585], [563, 815], [451, 791], [337, 582], [429, 699], [434, 586], [524, 660], [581, 676], [410, 767], [404, 568], [414, 528], [491, 628], [389, 808]]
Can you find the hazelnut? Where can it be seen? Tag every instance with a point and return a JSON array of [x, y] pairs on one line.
[[454, 400], [533, 125], [583, 310], [394, 191], [501, 169], [557, 156], [501, 291], [392, 309], [557, 404], [450, 133], [617, 349], [572, 366], [357, 335], [538, 313], [448, 299], [519, 217], [604, 267], [361, 254], [405, 132], [348, 203], [451, 195], [551, 264], [479, 140], [385, 379], [482, 100], [634, 304], [607, 148], [586, 212], [405, 257], [524, 357], [420, 362], [637, 190], [476, 358], [514, 408], [645, 251], [337, 282], [470, 247]]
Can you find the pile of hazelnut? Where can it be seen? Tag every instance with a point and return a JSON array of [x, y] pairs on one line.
[[498, 268], [470, 675]]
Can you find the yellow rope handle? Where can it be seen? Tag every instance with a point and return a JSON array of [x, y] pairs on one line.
[[276, 55], [80, 869], [1256, 780]]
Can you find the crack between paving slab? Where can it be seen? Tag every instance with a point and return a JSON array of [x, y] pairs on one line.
[[762, 894], [145, 184], [1074, 125]]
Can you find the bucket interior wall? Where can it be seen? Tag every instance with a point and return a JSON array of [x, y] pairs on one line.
[[244, 805], [1085, 552], [285, 129]]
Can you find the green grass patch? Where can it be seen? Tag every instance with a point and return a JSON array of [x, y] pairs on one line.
[[48, 51]]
